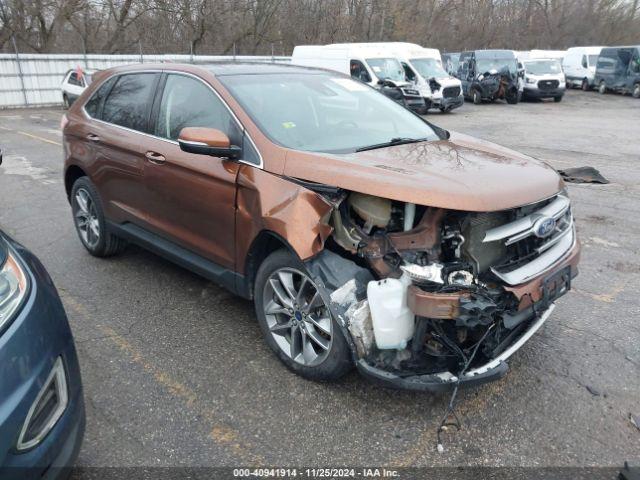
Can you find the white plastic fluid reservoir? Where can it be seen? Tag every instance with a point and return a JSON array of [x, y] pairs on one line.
[[393, 322]]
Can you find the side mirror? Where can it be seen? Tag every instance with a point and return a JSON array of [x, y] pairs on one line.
[[207, 141]]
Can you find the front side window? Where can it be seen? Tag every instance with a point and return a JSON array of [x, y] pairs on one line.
[[593, 60], [129, 101], [408, 73], [359, 71], [188, 102], [387, 68], [323, 112]]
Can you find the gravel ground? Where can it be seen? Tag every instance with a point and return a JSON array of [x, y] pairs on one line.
[[176, 372]]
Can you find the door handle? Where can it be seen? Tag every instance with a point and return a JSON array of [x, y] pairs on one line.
[[156, 158], [93, 137]]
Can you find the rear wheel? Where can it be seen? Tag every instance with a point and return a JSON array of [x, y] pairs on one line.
[[65, 102], [296, 321], [477, 97], [602, 87], [88, 217], [585, 85]]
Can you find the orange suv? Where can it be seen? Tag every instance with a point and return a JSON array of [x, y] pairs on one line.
[[364, 234]]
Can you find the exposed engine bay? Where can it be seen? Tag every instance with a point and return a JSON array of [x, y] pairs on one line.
[[427, 291]]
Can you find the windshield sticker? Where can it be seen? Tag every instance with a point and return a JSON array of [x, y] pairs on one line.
[[288, 125], [350, 85]]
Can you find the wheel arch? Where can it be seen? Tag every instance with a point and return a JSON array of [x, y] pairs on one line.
[[71, 174], [263, 245]]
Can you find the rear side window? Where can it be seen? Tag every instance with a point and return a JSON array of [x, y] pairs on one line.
[[188, 102], [74, 80], [92, 107], [129, 101]]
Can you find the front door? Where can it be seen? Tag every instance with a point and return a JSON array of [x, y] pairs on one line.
[[192, 197]]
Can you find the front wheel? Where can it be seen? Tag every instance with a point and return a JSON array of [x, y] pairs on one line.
[[602, 87], [297, 322], [512, 98], [65, 102], [636, 91], [585, 85], [557, 99], [477, 97]]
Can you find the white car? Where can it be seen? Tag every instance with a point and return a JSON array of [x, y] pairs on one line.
[[75, 82]]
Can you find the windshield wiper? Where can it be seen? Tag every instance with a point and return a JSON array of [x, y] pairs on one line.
[[391, 143]]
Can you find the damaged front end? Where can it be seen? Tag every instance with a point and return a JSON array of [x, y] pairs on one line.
[[429, 298]]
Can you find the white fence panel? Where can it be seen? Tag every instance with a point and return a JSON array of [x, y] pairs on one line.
[[31, 80]]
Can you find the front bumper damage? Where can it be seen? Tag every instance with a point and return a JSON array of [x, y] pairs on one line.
[[445, 381], [477, 286]]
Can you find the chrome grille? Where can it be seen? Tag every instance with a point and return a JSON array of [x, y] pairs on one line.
[[536, 241]]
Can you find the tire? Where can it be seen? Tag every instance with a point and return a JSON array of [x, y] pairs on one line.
[[585, 85], [602, 87], [476, 96], [445, 110], [65, 102], [636, 91], [557, 99], [512, 99], [287, 326], [88, 218]]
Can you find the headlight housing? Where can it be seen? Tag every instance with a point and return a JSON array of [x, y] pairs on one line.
[[530, 80], [13, 287]]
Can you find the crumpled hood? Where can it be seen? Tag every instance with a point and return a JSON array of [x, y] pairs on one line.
[[462, 173]]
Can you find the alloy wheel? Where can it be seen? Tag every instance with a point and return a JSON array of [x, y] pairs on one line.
[[297, 317], [86, 218]]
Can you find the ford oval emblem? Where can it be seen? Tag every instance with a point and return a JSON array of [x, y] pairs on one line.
[[544, 227]]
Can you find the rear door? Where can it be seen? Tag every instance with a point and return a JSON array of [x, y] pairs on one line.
[[120, 139], [192, 197]]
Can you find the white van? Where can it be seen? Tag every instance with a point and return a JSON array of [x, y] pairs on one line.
[[579, 66], [368, 63], [543, 78], [423, 67]]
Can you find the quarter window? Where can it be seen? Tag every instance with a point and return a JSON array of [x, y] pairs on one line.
[[188, 102], [93, 105], [129, 101]]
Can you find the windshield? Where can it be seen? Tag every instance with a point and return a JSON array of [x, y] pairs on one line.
[[323, 112], [429, 67], [542, 67], [387, 68], [485, 65], [593, 60]]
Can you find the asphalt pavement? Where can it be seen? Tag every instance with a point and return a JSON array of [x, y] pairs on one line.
[[176, 372]]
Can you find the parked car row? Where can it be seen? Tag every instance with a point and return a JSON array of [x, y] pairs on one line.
[[615, 69]]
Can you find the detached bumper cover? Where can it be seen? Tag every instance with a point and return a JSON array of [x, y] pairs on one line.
[[444, 381]]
